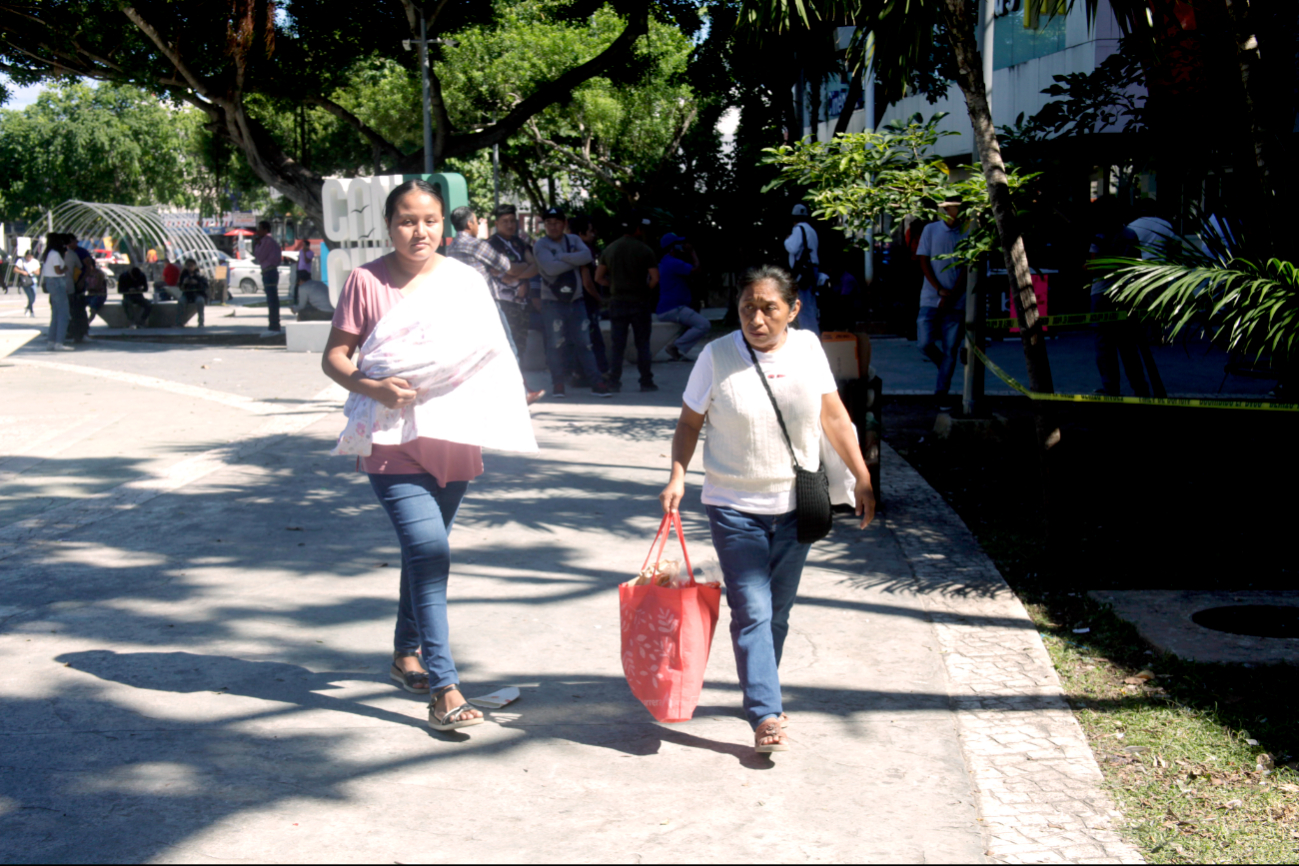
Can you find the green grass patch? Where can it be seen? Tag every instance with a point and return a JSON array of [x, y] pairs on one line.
[[1194, 784]]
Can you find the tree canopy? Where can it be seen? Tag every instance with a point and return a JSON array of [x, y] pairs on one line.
[[248, 65], [112, 143]]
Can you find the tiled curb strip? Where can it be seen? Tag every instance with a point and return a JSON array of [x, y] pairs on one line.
[[1039, 788]]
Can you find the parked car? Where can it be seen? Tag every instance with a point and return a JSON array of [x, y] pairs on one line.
[[246, 276]]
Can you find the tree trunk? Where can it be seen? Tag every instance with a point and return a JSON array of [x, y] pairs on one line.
[[969, 62], [960, 30]]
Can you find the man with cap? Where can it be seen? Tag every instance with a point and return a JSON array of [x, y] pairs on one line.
[[679, 261], [942, 294], [804, 262], [511, 290], [560, 257], [630, 269]]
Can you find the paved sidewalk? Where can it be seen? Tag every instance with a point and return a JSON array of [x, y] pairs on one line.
[[196, 655]]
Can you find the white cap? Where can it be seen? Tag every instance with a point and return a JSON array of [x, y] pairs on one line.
[[800, 210]]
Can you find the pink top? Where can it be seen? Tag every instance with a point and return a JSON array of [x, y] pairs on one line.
[[366, 297]]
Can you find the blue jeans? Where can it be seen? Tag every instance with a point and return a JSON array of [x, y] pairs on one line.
[[597, 338], [423, 513], [941, 328], [271, 286], [60, 310], [31, 298], [564, 323], [695, 324], [762, 563]]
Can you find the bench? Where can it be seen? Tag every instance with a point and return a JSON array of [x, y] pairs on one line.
[[165, 314]]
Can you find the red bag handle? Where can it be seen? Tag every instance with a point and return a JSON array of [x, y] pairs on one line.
[[670, 520]]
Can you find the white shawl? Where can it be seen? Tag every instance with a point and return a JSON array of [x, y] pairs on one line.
[[446, 339]]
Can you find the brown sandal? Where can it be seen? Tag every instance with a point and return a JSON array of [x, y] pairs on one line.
[[415, 682], [770, 730]]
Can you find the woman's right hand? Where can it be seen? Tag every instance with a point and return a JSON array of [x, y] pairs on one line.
[[393, 392], [673, 494]]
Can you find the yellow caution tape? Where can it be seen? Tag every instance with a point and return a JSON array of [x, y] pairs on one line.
[[1066, 319], [1149, 401]]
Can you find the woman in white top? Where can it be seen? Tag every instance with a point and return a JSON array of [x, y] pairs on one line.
[[56, 282], [30, 271], [749, 476]]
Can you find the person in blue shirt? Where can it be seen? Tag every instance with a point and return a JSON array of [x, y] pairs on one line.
[[679, 261]]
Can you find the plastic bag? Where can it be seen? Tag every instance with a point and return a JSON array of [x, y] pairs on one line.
[[668, 621]]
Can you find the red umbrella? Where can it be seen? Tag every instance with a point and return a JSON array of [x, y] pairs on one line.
[[239, 233]]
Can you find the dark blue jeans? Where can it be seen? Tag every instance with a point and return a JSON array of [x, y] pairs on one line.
[[271, 286], [941, 328], [597, 338], [422, 513], [565, 323], [762, 563]]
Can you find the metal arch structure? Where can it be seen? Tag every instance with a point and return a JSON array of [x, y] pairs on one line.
[[140, 227]]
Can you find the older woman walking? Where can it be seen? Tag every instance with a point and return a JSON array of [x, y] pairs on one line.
[[749, 475], [411, 311]]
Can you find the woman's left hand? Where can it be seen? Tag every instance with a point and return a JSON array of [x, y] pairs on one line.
[[865, 497]]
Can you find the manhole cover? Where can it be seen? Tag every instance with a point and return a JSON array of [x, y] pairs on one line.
[[1256, 620]]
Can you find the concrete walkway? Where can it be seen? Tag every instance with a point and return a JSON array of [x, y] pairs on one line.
[[196, 606]]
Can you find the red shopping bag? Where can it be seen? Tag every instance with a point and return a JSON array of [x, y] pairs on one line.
[[667, 633]]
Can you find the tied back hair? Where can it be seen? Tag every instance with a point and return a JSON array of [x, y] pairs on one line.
[[402, 190], [775, 274]]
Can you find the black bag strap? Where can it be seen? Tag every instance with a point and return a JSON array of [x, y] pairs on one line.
[[780, 419]]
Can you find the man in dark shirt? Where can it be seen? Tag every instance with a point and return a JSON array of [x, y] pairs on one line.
[[133, 284], [630, 269]]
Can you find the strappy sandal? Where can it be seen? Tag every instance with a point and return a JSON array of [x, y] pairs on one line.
[[454, 718], [415, 682], [770, 730]]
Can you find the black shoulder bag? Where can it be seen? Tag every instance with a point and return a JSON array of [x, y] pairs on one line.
[[811, 489]]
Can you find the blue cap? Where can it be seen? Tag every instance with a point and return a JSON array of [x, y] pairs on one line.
[[669, 239]]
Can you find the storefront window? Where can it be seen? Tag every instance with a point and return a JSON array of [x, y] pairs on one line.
[[1015, 43]]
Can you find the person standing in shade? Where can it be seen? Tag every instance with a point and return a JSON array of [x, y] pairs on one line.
[[54, 276], [511, 290], [267, 254], [803, 247], [581, 225], [630, 269], [1116, 340], [560, 257], [303, 272], [488, 261], [74, 260], [679, 261], [942, 294], [749, 474]]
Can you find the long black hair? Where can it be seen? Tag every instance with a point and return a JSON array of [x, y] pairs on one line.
[[416, 185]]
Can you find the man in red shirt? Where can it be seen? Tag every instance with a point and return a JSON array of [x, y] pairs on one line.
[[170, 273]]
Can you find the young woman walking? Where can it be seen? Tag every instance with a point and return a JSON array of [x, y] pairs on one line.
[[419, 431], [749, 475]]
